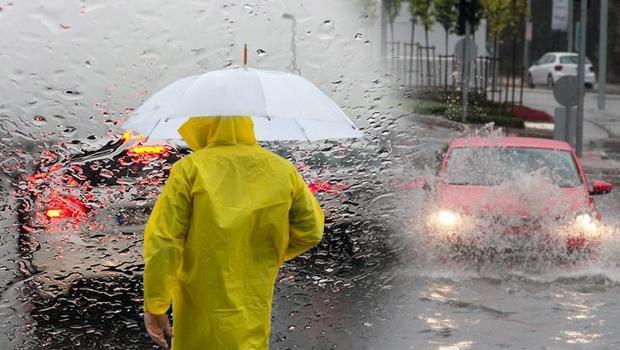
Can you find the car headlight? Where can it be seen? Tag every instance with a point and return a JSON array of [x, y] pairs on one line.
[[586, 223], [445, 219]]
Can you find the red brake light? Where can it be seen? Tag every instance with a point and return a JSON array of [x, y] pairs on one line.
[[60, 208], [146, 150], [324, 186], [57, 213], [559, 67]]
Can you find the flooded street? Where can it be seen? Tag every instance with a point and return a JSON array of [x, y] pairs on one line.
[[374, 282]]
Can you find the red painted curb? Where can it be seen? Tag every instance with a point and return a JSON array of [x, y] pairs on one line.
[[528, 114]]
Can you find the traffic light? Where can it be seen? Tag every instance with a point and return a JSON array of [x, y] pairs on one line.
[[469, 12]]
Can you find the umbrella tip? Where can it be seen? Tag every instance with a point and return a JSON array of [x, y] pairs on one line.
[[245, 54]]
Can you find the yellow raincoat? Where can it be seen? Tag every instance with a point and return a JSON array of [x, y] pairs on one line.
[[229, 215]]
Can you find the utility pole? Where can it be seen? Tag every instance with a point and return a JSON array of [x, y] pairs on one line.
[[581, 71], [602, 55], [570, 28]]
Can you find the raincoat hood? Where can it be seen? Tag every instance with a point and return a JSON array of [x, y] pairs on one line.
[[203, 131]]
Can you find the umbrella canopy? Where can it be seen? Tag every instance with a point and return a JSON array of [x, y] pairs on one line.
[[283, 106]]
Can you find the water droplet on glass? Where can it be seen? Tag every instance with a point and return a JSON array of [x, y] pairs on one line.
[[39, 120], [68, 131], [292, 327], [326, 29]]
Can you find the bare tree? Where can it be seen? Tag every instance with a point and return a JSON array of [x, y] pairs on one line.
[[423, 10]]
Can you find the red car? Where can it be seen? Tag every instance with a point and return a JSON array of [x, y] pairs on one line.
[[514, 193]]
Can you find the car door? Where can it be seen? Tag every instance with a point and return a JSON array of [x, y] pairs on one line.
[[536, 69], [546, 68]]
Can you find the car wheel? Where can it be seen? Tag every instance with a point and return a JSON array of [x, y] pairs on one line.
[[550, 82], [530, 81]]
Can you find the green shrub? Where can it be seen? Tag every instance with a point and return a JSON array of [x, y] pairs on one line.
[[441, 95], [447, 103], [430, 107]]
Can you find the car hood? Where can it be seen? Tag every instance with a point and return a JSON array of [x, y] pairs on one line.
[[521, 202]]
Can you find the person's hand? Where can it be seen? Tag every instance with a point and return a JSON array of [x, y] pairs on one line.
[[157, 326]]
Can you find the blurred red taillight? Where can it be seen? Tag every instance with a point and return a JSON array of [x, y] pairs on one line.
[[147, 151], [57, 213], [324, 186], [60, 208], [559, 67]]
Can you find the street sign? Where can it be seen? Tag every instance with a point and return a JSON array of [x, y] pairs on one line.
[[467, 53], [559, 19], [566, 91]]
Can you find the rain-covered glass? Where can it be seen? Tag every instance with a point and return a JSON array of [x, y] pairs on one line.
[[407, 261]]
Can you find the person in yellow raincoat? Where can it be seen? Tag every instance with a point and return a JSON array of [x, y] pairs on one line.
[[229, 215]]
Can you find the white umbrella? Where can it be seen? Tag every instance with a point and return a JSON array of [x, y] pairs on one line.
[[283, 106]]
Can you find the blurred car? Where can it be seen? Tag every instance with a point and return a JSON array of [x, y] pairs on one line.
[[81, 209], [82, 212], [513, 193], [554, 65]]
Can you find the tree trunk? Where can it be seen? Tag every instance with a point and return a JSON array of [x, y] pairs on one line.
[[446, 62], [447, 37], [495, 66], [514, 66], [411, 51], [614, 63], [383, 42], [392, 38], [391, 48], [428, 58]]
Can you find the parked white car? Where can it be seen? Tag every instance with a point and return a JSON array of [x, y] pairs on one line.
[[554, 65]]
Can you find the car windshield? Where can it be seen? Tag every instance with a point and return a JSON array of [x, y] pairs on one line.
[[573, 59], [491, 166]]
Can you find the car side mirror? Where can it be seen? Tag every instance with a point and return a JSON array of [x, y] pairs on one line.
[[601, 187]]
